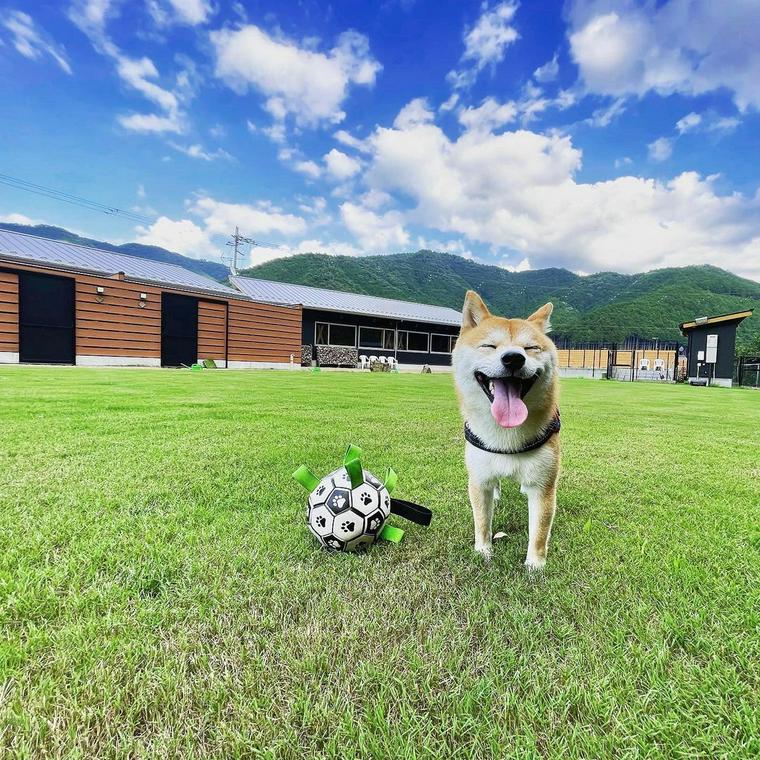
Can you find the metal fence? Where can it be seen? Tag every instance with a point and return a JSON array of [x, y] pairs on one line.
[[747, 371], [634, 359]]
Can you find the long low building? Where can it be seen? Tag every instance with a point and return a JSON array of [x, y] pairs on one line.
[[413, 333], [62, 303]]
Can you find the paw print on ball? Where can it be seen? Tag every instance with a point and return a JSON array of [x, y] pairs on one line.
[[321, 521], [375, 522], [365, 499], [348, 525], [339, 500], [334, 543]]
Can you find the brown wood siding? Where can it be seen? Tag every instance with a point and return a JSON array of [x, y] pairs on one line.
[[212, 330], [120, 327], [264, 332], [8, 312]]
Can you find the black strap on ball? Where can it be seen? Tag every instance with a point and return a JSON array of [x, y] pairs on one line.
[[415, 513]]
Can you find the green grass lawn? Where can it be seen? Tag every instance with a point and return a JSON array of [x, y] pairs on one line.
[[160, 595]]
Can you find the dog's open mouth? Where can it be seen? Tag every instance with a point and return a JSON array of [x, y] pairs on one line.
[[506, 396]]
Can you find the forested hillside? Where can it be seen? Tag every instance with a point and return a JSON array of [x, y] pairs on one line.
[[604, 306]]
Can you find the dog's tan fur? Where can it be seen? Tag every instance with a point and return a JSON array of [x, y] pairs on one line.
[[536, 471]]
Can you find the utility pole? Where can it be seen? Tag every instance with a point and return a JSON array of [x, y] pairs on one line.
[[235, 242]]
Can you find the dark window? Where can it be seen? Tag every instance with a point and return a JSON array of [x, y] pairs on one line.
[[370, 337], [413, 341], [441, 344], [342, 335], [334, 335], [389, 340]]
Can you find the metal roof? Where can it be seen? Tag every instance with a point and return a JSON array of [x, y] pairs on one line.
[[734, 316], [348, 303], [20, 247]]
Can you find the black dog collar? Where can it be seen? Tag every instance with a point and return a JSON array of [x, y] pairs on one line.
[[552, 428]]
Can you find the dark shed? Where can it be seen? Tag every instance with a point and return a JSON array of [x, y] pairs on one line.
[[712, 342]]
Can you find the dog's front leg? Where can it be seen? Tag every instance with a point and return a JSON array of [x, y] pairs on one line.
[[542, 504], [481, 498]]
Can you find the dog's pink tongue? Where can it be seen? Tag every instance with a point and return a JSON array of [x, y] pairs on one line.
[[507, 408]]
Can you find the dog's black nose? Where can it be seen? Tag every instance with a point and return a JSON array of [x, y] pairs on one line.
[[513, 360]]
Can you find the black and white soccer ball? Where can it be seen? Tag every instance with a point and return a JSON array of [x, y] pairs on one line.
[[344, 518]]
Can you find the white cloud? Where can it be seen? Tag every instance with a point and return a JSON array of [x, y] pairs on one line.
[[624, 161], [724, 124], [548, 72], [686, 46], [140, 74], [450, 103], [603, 117], [341, 166], [308, 168], [218, 131], [181, 235], [189, 12], [488, 116], [518, 191], [415, 112], [376, 233], [18, 219], [709, 121], [486, 42], [216, 220], [220, 218], [32, 42], [199, 152], [141, 191], [150, 123], [521, 266], [347, 139], [296, 81], [688, 123], [660, 149]]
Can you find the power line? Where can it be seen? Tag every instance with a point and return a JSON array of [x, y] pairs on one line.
[[234, 242], [75, 200]]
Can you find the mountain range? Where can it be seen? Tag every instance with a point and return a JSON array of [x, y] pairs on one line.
[[607, 306]]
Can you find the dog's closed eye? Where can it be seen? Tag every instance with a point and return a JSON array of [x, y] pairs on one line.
[[532, 348], [486, 345]]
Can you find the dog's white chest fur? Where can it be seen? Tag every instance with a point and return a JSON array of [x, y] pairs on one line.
[[528, 469]]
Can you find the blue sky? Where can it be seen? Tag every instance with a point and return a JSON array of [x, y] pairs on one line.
[[589, 134]]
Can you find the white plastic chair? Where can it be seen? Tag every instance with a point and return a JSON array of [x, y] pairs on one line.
[[392, 361], [644, 364], [659, 365], [364, 361], [383, 360], [372, 360]]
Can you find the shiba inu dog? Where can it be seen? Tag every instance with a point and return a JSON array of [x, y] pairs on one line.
[[505, 372]]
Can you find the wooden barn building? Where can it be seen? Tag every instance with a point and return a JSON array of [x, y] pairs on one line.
[[68, 304], [339, 328]]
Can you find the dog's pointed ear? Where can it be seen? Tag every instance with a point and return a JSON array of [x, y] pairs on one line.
[[474, 310], [541, 317]]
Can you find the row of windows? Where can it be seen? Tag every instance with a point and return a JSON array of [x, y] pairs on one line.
[[380, 339]]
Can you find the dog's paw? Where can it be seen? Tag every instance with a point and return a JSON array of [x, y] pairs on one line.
[[535, 565], [485, 551]]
